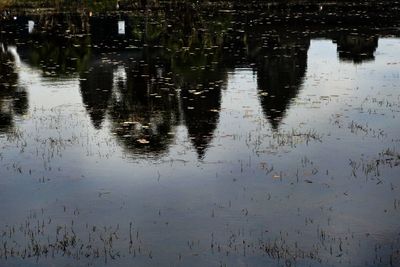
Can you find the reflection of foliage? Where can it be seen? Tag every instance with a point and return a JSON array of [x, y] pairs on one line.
[[13, 100], [102, 5], [193, 42], [148, 27], [60, 56], [356, 47], [192, 29], [39, 3], [180, 30]]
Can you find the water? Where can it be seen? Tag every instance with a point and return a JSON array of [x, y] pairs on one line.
[[234, 140]]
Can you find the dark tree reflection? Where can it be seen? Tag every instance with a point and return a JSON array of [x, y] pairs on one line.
[[356, 48]]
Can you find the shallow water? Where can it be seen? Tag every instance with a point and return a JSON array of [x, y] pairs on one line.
[[235, 144]]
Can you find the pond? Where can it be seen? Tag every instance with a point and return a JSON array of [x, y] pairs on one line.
[[190, 137]]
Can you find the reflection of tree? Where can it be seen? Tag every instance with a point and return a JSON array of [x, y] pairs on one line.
[[57, 45], [57, 56], [13, 99], [356, 48]]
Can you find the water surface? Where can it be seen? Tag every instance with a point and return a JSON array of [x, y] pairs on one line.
[[184, 141]]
